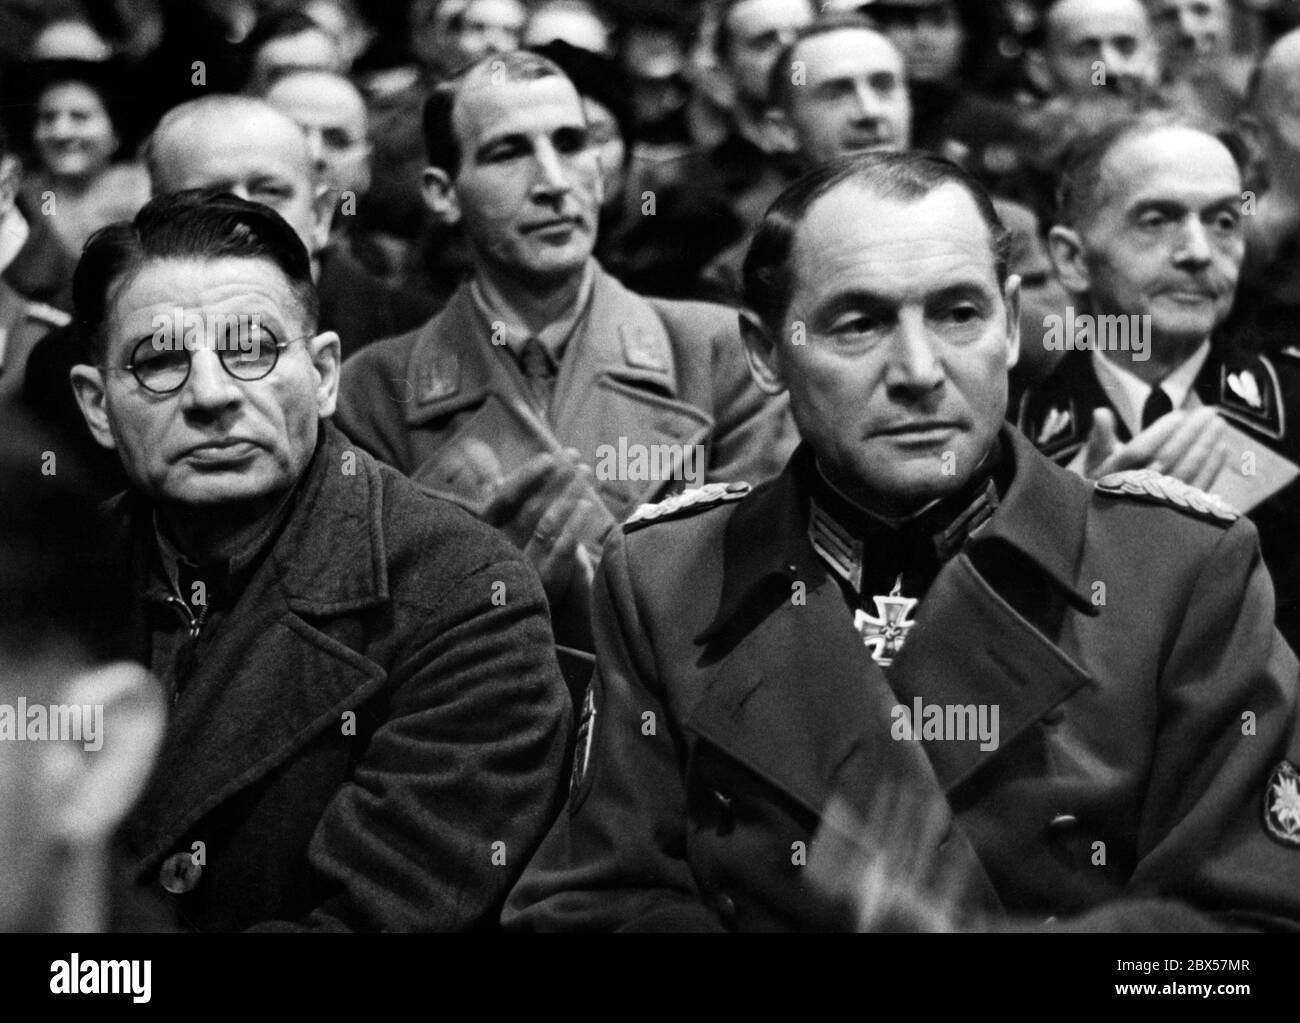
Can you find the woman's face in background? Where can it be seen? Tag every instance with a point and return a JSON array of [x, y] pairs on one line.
[[74, 136]]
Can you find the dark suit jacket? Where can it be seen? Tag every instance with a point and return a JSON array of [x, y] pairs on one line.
[[1120, 722], [383, 609]]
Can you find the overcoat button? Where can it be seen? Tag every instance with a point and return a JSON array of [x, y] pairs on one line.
[[179, 873], [723, 802], [726, 909]]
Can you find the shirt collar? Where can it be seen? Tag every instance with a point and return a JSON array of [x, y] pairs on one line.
[[1042, 514], [224, 574], [1128, 392], [496, 309]]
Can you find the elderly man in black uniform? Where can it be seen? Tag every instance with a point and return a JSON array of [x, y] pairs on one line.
[[1149, 241], [1077, 686], [367, 721]]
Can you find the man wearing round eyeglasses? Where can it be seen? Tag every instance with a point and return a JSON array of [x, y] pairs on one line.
[[326, 632]]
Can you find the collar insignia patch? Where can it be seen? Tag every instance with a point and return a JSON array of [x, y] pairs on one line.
[[1246, 387], [1057, 422], [641, 349]]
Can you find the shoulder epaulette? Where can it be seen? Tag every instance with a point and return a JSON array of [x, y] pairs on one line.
[[47, 314], [1149, 485], [688, 502]]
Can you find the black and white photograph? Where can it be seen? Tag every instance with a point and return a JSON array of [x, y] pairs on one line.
[[529, 467]]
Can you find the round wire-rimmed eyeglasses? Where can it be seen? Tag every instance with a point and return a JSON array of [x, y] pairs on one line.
[[166, 370]]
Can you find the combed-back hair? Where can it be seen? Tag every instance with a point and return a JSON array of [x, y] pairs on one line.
[[1079, 176], [907, 177], [722, 34], [780, 84], [440, 140], [198, 223]]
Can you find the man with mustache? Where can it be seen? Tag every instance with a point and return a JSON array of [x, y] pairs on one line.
[[1032, 686], [540, 362], [1149, 240]]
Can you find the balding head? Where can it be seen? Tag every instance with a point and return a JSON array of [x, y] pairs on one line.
[[331, 112], [1271, 118], [1083, 34], [1277, 85], [245, 146]]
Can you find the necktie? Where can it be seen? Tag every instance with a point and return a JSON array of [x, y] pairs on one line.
[[1158, 404], [539, 369]]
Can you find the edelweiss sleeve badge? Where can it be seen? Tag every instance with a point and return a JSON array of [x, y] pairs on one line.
[[1282, 804]]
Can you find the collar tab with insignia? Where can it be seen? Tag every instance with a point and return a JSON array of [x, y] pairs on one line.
[[1282, 804], [439, 380], [1149, 485], [643, 349], [1058, 420], [836, 545], [843, 552], [687, 502], [885, 632], [1251, 395], [1057, 428]]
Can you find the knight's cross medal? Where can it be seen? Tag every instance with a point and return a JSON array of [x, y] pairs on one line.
[[884, 632]]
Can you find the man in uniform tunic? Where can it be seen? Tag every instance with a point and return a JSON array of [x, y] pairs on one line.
[[535, 396], [1149, 241], [1077, 687]]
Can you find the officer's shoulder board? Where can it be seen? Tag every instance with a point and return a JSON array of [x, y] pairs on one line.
[[688, 502], [1150, 486]]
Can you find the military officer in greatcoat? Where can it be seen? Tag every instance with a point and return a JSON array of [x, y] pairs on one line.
[[1076, 687], [1149, 242]]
